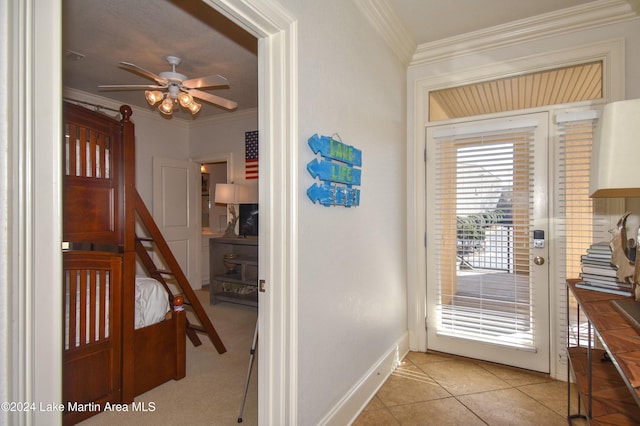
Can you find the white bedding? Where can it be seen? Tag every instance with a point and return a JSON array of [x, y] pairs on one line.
[[152, 301]]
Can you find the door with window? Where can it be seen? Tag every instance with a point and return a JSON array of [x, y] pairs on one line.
[[487, 252]]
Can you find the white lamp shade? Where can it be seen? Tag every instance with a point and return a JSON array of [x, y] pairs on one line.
[[226, 193], [616, 151], [185, 99], [153, 97], [166, 107], [194, 107]]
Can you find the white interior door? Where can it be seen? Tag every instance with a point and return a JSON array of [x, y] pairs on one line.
[[176, 210], [487, 280]]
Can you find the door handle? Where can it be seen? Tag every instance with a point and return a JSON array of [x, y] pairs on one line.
[[538, 260]]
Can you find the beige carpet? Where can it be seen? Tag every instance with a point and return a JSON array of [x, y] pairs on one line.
[[211, 393]]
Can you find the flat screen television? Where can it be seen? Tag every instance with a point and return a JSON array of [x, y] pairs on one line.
[[248, 220]]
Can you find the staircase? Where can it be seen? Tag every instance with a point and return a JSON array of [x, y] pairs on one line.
[[173, 272]]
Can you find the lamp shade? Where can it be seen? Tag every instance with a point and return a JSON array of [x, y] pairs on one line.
[[166, 107], [185, 99], [226, 193], [616, 151], [153, 97], [194, 107]]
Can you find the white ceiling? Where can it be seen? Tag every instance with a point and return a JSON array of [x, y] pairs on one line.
[[431, 20], [144, 33]]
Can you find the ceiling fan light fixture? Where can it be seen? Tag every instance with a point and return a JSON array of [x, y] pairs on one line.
[[166, 107], [175, 88], [185, 99], [153, 97], [194, 107]]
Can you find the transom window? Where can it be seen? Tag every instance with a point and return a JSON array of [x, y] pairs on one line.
[[551, 87]]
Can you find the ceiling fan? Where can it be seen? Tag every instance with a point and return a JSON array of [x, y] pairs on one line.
[[173, 87]]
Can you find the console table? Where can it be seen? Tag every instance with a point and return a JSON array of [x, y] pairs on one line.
[[607, 375], [233, 270]]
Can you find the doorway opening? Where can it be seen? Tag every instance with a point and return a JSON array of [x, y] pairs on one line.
[[478, 231], [214, 216]]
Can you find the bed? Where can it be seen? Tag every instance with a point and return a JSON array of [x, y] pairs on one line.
[[123, 334]]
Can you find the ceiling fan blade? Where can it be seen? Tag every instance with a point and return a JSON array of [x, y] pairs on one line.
[[208, 81], [133, 67], [217, 100], [130, 86]]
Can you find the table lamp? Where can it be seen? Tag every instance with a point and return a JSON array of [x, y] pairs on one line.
[[227, 193], [614, 160]]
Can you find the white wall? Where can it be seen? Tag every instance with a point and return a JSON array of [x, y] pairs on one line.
[[156, 137], [224, 135], [352, 306]]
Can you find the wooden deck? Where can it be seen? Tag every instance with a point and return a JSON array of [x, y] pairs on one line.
[[493, 304]]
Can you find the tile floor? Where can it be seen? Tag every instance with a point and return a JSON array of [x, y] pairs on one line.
[[439, 389]]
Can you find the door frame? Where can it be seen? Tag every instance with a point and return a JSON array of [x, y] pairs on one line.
[[610, 52], [277, 35], [226, 158], [32, 41]]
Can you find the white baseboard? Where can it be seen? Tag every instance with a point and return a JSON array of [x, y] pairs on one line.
[[357, 398]]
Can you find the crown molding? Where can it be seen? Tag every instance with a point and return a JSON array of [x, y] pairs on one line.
[[387, 23], [245, 114], [97, 103], [590, 15]]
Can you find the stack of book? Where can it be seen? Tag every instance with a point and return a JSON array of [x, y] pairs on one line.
[[599, 274]]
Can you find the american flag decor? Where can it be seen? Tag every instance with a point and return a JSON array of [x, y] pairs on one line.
[[251, 155]]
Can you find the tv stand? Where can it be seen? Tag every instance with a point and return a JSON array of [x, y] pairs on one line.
[[233, 270]]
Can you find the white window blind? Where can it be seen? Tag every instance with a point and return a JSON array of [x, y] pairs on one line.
[[484, 221], [575, 216], [576, 223]]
